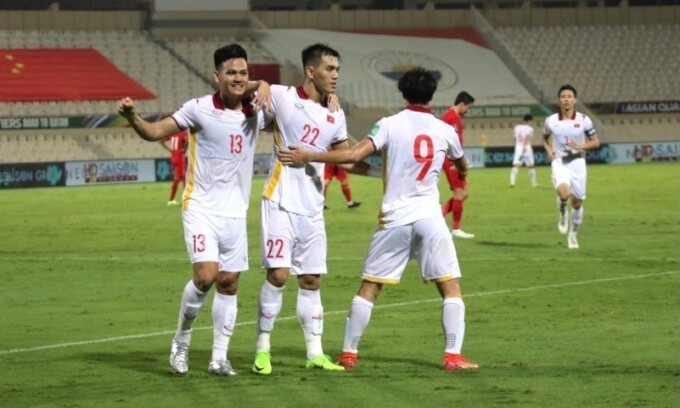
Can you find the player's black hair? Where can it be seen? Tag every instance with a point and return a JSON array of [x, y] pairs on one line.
[[528, 117], [566, 87], [314, 53], [229, 52], [464, 97], [417, 86]]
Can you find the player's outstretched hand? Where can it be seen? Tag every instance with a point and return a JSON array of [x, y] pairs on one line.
[[126, 108], [294, 157], [550, 155], [262, 98]]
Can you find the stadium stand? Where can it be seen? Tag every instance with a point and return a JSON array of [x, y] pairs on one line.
[[133, 52], [174, 66], [198, 50], [614, 63]]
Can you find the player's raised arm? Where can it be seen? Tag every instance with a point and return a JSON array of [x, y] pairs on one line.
[[150, 131]]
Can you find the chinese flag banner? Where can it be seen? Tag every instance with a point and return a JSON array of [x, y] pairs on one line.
[[63, 74]]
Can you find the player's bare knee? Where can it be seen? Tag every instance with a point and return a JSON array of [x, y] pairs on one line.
[[576, 203], [450, 288], [309, 282], [205, 274], [277, 277], [227, 283], [370, 290]]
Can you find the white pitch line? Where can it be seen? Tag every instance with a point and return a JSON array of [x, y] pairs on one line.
[[336, 312]]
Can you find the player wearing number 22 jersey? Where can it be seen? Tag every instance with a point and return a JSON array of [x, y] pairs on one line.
[[413, 144], [293, 229]]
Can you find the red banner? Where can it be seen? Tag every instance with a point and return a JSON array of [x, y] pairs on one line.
[[63, 75]]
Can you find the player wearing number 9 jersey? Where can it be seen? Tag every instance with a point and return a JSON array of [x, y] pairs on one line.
[[414, 144], [215, 198], [293, 229]]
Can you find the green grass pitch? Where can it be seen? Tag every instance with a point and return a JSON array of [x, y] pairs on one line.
[[91, 277]]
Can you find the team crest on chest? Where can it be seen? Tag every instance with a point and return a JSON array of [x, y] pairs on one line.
[[330, 119]]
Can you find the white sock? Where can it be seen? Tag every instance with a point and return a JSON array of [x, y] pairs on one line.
[[453, 322], [576, 218], [357, 320], [513, 175], [269, 306], [192, 302], [224, 311], [562, 205], [310, 315], [532, 176]]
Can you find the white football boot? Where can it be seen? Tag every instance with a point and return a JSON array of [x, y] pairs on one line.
[[179, 357]]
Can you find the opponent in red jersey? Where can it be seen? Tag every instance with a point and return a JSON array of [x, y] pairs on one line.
[[177, 146], [331, 170], [453, 116]]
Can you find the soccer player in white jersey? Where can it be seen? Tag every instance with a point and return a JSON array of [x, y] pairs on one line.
[[414, 144], [293, 228], [524, 153], [572, 134], [215, 199]]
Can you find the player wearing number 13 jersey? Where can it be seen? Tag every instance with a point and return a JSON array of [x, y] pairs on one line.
[[414, 144], [215, 198]]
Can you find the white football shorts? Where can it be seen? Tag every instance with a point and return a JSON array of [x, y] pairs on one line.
[[292, 240], [523, 156], [213, 238], [572, 174], [427, 241]]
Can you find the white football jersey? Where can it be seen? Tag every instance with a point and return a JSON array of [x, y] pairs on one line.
[[220, 154], [413, 144], [523, 134], [305, 123], [568, 130]]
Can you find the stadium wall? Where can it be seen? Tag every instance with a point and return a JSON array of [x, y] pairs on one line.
[[333, 19], [72, 20]]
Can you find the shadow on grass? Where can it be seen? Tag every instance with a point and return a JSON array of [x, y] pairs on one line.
[[285, 360]]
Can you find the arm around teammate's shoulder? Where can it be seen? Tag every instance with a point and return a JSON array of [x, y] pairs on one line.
[[341, 153]]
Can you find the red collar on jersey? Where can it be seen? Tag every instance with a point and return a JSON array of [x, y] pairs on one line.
[[303, 95], [246, 108], [301, 92], [419, 108], [560, 117]]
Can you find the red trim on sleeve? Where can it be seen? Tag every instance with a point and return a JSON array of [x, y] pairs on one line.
[[338, 142], [373, 143], [177, 123]]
